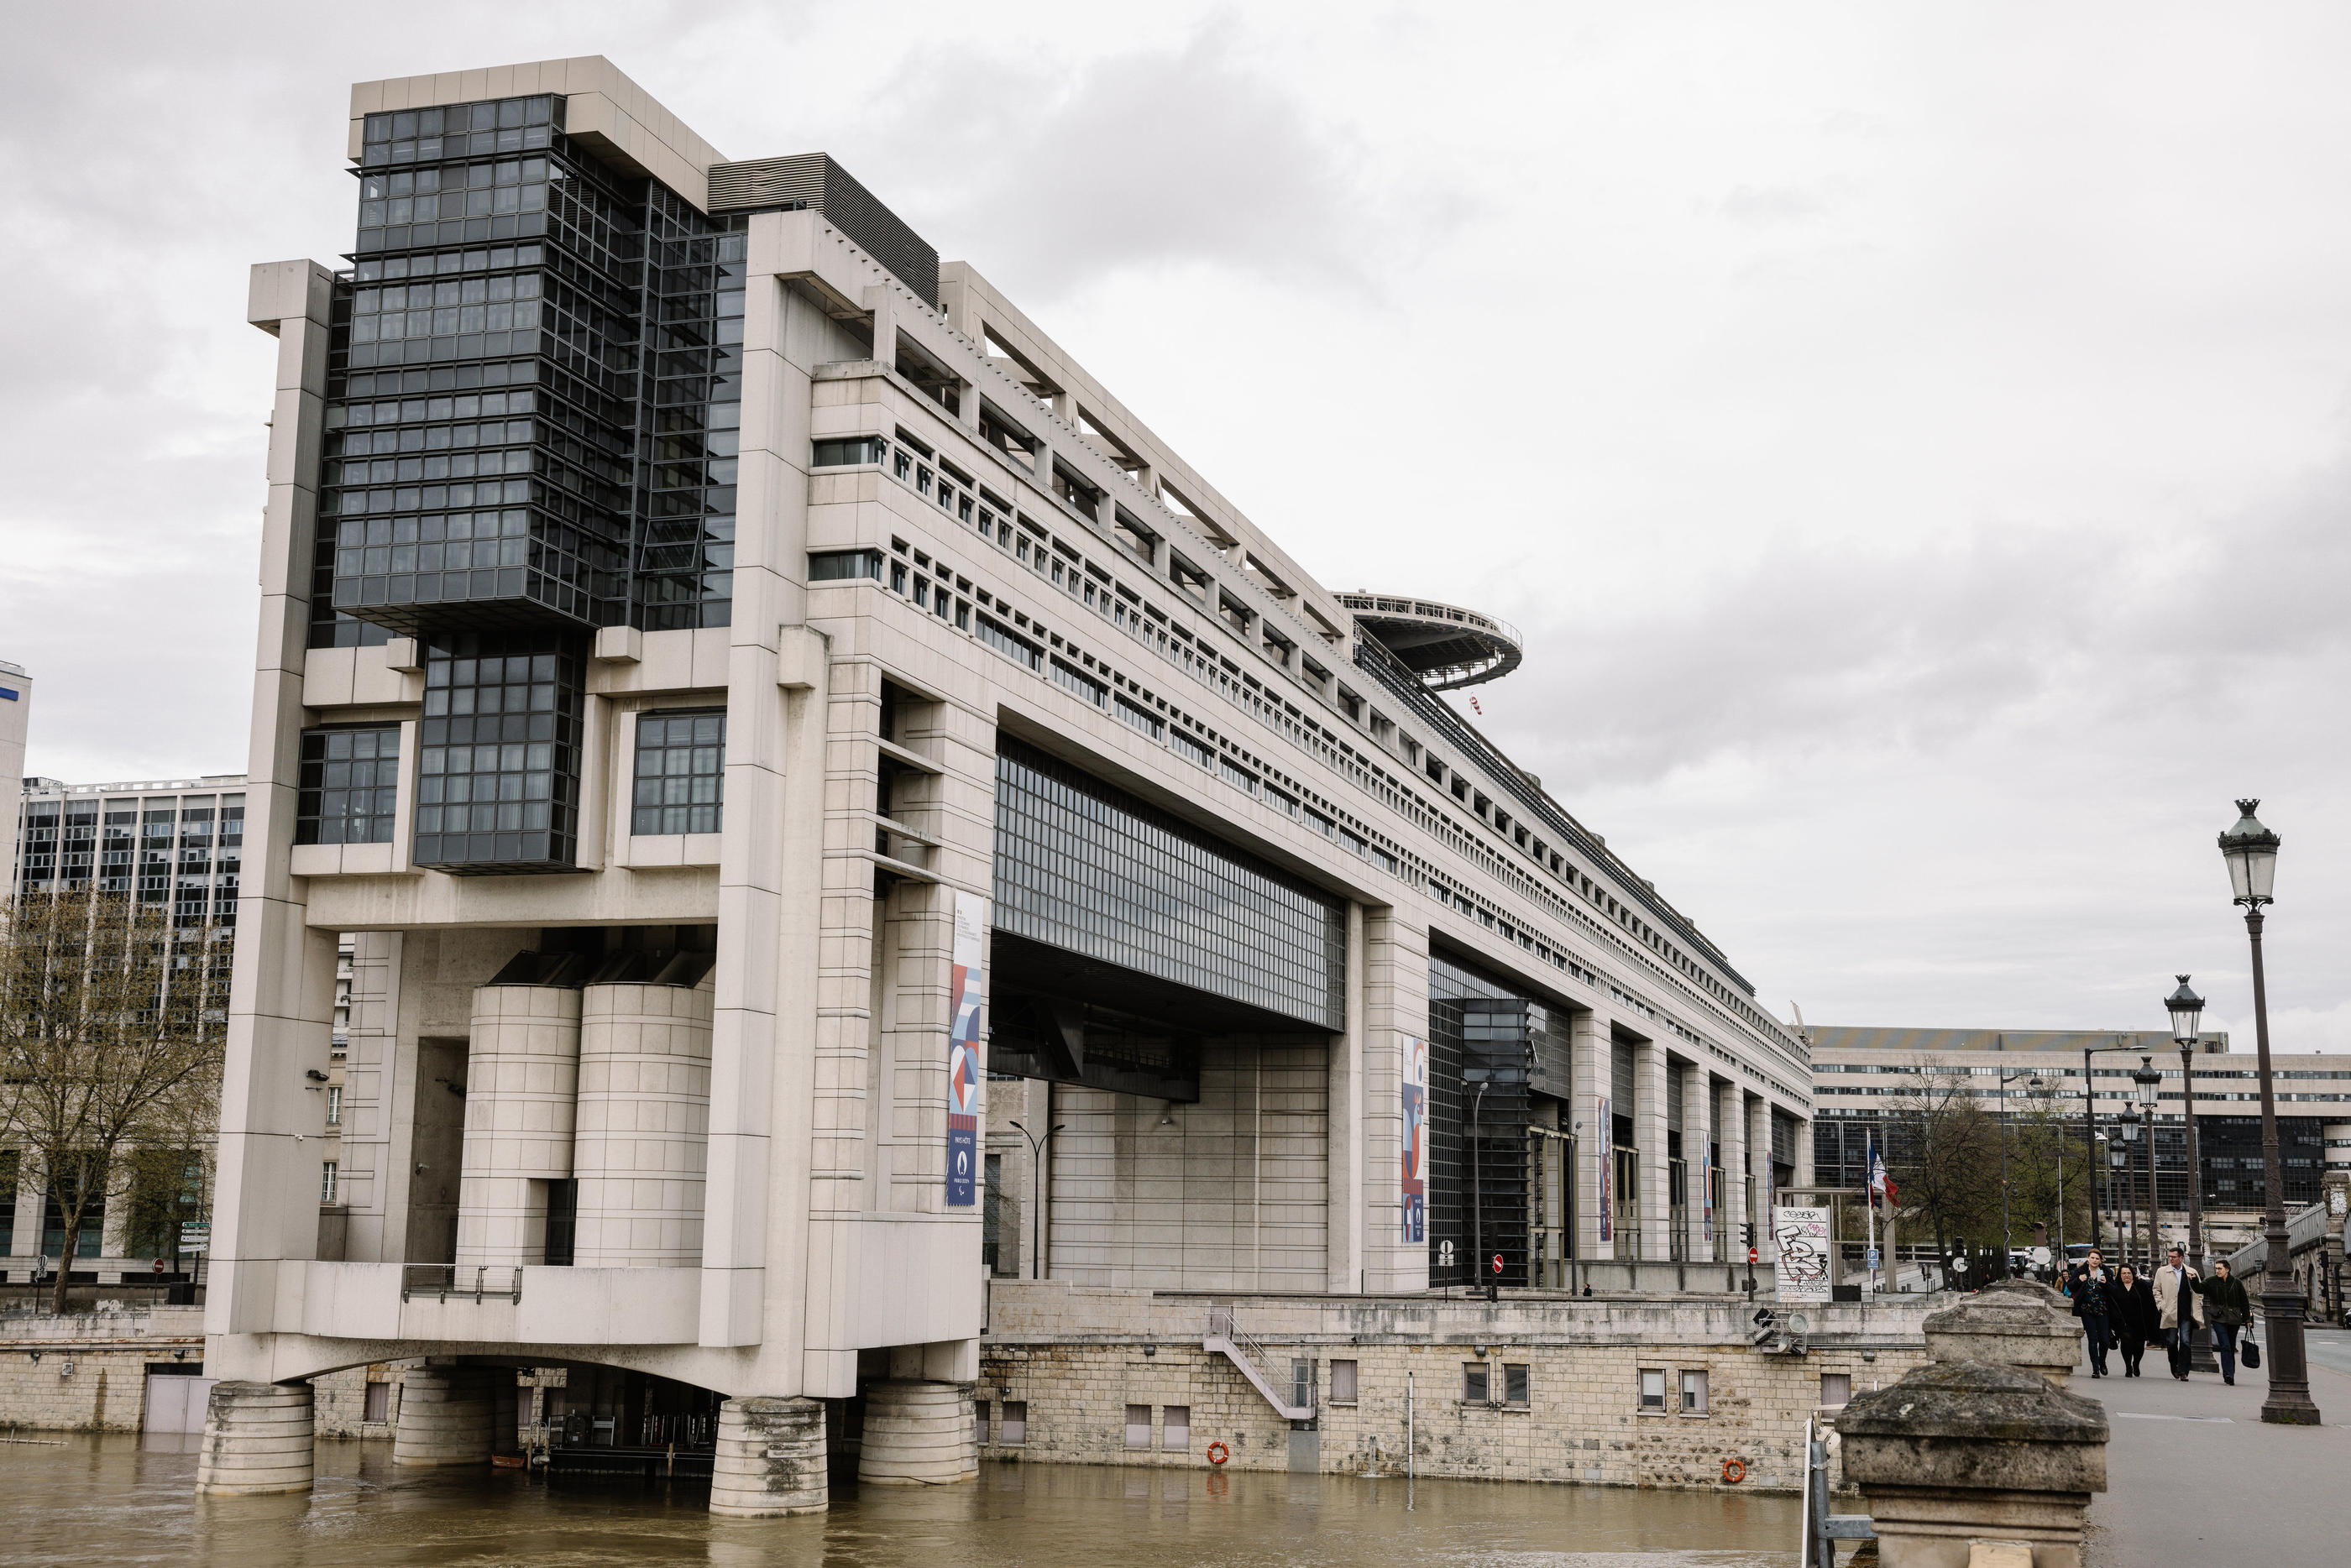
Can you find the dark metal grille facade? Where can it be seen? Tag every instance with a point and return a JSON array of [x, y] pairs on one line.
[[1085, 867]]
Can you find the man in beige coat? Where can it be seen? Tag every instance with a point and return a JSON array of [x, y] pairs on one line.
[[2181, 1308]]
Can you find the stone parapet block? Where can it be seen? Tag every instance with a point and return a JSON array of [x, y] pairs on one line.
[[445, 1417], [258, 1437], [918, 1434], [771, 1459], [2006, 1329], [1955, 1453]]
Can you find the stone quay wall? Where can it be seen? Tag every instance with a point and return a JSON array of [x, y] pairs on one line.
[[1073, 1361], [91, 1374]]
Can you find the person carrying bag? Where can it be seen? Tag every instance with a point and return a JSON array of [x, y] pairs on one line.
[[2229, 1312]]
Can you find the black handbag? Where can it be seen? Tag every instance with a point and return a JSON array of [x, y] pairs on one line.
[[2250, 1353]]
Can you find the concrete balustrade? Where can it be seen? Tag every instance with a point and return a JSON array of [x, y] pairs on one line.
[[258, 1437], [447, 1416], [521, 1094], [771, 1459], [2016, 1328], [918, 1434], [641, 1148]]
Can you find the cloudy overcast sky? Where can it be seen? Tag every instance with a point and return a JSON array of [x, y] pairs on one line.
[[1912, 439]]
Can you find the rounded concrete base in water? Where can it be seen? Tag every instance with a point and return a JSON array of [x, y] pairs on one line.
[[918, 1434], [444, 1416], [258, 1437], [770, 1460]]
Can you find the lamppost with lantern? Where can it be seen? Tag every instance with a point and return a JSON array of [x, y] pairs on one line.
[[2250, 851], [2150, 1084], [2007, 1248], [2186, 1009]]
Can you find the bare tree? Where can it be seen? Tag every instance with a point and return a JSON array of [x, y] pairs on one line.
[[110, 1045], [1941, 1149]]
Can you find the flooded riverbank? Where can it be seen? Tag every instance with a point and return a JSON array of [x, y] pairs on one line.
[[123, 1499]]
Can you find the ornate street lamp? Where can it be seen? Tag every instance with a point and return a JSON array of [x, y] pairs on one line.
[[2149, 1085], [2187, 1010], [2007, 1249], [2250, 851]]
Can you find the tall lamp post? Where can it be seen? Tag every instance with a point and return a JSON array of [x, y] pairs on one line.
[[2187, 1008], [2250, 851], [2150, 1084], [1037, 1194], [2007, 1249]]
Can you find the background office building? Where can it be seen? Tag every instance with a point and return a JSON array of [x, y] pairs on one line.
[[15, 718], [773, 722], [1864, 1079]]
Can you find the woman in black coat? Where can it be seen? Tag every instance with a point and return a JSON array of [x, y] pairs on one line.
[[2132, 1314]]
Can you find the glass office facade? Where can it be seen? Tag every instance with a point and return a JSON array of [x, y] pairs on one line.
[[1084, 867], [348, 785], [497, 776]]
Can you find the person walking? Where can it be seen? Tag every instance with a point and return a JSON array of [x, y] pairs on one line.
[[2130, 1310], [2226, 1304], [2085, 1284], [2179, 1308]]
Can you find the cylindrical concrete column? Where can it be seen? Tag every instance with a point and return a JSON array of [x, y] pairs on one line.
[[522, 1082], [257, 1439], [770, 1459], [445, 1416], [918, 1434], [642, 1149]]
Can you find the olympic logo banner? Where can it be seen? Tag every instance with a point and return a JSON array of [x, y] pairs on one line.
[[968, 993]]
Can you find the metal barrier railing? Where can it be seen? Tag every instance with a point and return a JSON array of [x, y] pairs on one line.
[[460, 1282]]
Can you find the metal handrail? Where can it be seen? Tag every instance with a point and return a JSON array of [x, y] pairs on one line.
[[449, 1281]]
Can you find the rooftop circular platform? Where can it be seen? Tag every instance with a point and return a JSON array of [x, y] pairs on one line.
[[1445, 644]]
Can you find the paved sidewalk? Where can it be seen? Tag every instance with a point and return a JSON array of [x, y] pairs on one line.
[[2193, 1476]]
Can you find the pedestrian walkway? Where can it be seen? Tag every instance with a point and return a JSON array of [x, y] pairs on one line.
[[2194, 1476]]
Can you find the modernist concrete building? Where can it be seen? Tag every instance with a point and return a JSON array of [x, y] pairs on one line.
[[1861, 1074], [15, 718], [773, 722]]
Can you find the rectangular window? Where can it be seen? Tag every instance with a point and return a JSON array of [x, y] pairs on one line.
[[348, 785], [1837, 1389], [377, 1412], [1693, 1393], [835, 566], [1476, 1383], [1176, 1431], [1342, 1383], [1138, 1426], [1514, 1383], [562, 1221], [334, 1105], [1653, 1392], [979, 1413], [1015, 1430], [1000, 637], [857, 448], [327, 1174], [680, 771]]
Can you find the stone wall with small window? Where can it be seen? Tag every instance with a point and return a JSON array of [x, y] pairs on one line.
[[1623, 1392]]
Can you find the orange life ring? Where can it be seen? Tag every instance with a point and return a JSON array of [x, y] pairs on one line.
[[1218, 1453], [1733, 1471]]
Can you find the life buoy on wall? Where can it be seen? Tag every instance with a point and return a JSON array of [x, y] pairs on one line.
[[1733, 1471], [1218, 1453]]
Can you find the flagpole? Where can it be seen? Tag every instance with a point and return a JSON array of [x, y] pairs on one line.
[[1869, 1150]]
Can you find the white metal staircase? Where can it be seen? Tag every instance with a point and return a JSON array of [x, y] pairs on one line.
[[1226, 1338]]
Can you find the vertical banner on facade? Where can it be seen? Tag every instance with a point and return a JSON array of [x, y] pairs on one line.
[[1606, 1144], [1802, 1239], [967, 992], [1416, 1142]]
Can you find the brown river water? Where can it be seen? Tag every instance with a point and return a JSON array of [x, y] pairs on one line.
[[128, 1500]]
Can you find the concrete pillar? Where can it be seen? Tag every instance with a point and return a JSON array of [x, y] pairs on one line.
[[1343, 1264], [1758, 1160], [1731, 1112], [770, 1459], [1805, 1175], [918, 1434], [1697, 1130], [2027, 1328], [1395, 1012], [1589, 1059], [257, 1439], [641, 1145], [1959, 1453], [1649, 1132], [445, 1416], [522, 1080]]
